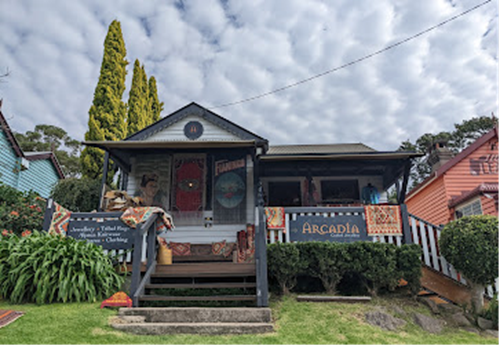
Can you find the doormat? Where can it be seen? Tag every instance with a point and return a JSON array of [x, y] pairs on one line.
[[9, 316]]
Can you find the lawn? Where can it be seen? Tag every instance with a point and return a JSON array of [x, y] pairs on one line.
[[295, 323]]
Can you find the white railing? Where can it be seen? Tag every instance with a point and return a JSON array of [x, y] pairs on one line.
[[427, 235]]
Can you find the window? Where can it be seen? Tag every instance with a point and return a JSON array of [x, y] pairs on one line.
[[473, 208], [284, 194], [339, 191]]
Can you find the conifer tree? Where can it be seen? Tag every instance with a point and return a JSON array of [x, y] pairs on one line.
[[138, 100], [107, 113], [155, 106]]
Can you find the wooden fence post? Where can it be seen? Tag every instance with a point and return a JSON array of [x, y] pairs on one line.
[[47, 217], [406, 224], [261, 254], [136, 265]]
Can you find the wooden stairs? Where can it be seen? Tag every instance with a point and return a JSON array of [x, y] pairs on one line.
[[201, 282]]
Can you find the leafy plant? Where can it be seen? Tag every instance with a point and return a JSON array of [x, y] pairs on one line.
[[491, 312], [408, 265], [324, 260], [470, 244], [376, 264], [284, 264], [43, 268], [77, 194], [20, 212]]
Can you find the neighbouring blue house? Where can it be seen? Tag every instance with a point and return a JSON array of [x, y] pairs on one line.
[[24, 171]]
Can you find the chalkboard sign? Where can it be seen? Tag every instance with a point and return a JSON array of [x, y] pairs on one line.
[[342, 228], [110, 234]]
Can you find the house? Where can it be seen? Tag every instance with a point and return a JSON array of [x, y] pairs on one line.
[[466, 184], [25, 171], [214, 177]]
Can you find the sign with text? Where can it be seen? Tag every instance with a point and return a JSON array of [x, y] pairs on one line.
[[110, 234], [342, 228]]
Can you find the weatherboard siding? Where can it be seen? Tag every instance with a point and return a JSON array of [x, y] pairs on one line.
[[41, 177], [459, 179], [431, 203], [211, 132], [8, 162], [489, 206]]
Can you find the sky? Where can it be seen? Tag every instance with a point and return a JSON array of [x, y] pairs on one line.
[[218, 52]]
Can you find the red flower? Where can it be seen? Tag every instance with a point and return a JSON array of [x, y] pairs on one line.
[[5, 232], [32, 206], [38, 209], [25, 233], [14, 213]]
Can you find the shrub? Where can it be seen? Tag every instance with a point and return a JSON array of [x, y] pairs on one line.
[[43, 268], [324, 260], [408, 265], [376, 264], [492, 312], [77, 194], [20, 212], [470, 244], [283, 263]]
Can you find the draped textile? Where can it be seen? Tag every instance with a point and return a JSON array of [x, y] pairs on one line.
[[383, 220], [134, 216]]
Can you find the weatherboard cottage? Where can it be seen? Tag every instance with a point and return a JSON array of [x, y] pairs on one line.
[[222, 183]]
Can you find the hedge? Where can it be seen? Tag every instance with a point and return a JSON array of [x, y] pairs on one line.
[[379, 266]]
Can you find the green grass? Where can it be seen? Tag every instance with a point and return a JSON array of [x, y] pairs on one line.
[[295, 323]]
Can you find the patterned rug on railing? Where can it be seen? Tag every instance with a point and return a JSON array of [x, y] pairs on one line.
[[275, 218], [134, 216], [383, 220], [9, 316], [60, 220]]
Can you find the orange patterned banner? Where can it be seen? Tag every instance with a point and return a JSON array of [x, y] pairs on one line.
[[118, 299]]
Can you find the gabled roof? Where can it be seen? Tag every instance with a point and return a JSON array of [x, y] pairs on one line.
[[459, 157], [30, 156], [195, 109], [480, 189]]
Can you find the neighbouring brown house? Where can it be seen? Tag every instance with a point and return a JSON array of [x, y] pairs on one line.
[[466, 184]]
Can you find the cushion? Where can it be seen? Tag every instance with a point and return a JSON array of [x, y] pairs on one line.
[[218, 247], [180, 249], [201, 249], [228, 250]]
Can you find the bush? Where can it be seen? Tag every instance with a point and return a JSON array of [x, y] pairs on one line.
[[492, 312], [470, 244], [20, 212], [44, 268], [77, 194], [324, 260], [408, 265], [283, 264], [376, 264]]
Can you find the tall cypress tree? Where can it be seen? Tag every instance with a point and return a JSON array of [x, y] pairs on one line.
[[107, 113], [138, 100], [155, 106]]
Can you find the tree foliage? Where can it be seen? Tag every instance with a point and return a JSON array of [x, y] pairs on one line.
[[56, 139], [155, 106], [107, 115], [138, 100], [470, 244], [457, 140], [77, 194]]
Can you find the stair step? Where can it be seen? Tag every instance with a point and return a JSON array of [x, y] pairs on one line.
[[198, 298], [205, 285], [200, 315], [195, 328], [214, 274]]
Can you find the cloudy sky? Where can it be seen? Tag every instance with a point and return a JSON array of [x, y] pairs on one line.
[[217, 52]]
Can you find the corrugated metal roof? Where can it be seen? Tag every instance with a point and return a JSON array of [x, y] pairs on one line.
[[319, 149]]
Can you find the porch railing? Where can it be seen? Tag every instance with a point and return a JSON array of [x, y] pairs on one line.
[[421, 232]]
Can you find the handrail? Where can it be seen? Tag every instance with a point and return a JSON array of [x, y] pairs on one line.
[[137, 285], [425, 222]]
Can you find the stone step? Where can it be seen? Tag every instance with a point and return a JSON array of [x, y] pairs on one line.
[[194, 328], [200, 315]]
